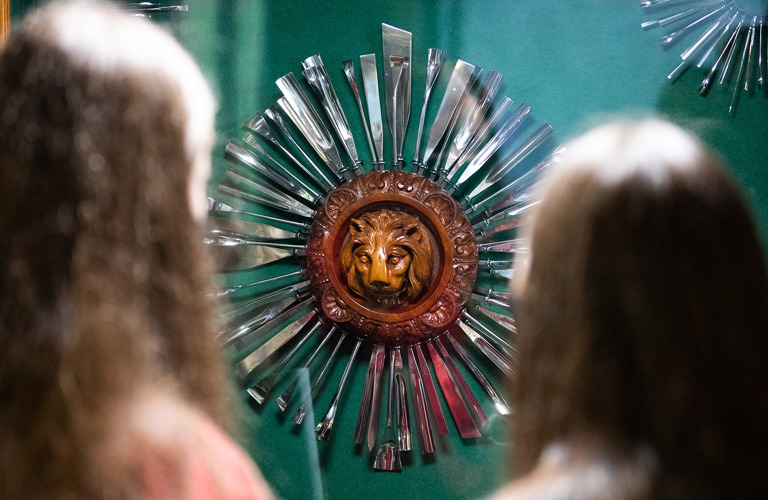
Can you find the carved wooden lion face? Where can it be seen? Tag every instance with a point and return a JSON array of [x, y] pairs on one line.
[[387, 257]]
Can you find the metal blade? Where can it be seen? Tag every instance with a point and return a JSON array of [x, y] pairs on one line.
[[371, 84], [474, 120], [301, 112], [261, 389], [457, 405], [517, 245], [323, 429], [365, 403], [490, 352], [489, 334], [426, 439], [265, 195], [434, 63], [429, 385], [373, 423], [514, 158], [224, 291], [397, 43], [263, 299], [484, 296], [505, 132], [501, 406], [273, 324], [253, 360], [318, 79], [249, 257], [469, 397], [500, 319], [301, 411], [285, 397], [349, 71], [404, 438], [457, 85], [274, 114]]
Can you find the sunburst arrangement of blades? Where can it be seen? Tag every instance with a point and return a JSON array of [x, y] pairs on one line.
[[725, 40], [279, 174]]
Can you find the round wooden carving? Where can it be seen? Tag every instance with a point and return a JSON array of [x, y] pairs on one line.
[[391, 257]]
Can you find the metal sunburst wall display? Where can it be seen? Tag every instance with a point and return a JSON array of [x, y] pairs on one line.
[[726, 38], [409, 260]]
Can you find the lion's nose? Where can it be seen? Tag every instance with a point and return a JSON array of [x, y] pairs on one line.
[[379, 277]]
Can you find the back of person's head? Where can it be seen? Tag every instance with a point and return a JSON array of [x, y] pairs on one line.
[[105, 128], [643, 316]]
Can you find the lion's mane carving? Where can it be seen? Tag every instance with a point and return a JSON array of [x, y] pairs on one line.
[[387, 257]]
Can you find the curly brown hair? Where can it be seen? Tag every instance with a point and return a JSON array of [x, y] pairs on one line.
[[102, 272]]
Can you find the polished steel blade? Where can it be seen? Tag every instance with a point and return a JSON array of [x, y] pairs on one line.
[[404, 437], [456, 404], [500, 319], [260, 390], [349, 71], [469, 397], [373, 423], [371, 85], [285, 397], [323, 429], [301, 411], [498, 401], [490, 352], [365, 403], [429, 386], [426, 440], [264, 194], [457, 85], [254, 359], [397, 43], [318, 79], [249, 337]]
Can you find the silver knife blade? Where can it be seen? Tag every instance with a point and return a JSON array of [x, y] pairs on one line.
[[371, 84]]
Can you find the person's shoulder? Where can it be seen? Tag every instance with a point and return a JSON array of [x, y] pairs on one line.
[[181, 453]]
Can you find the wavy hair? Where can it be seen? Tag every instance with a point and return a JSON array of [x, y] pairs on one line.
[[643, 318], [102, 272]]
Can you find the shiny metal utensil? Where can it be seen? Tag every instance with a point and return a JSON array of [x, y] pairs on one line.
[[365, 403], [317, 174], [737, 83], [474, 120], [483, 296], [449, 179], [397, 43], [434, 63], [251, 336], [228, 238], [469, 397], [349, 71], [252, 229], [285, 397], [506, 130], [238, 308], [264, 194], [318, 79], [498, 401], [456, 404], [497, 340], [709, 79], [301, 411], [323, 429], [373, 423], [388, 456], [399, 69], [490, 352], [671, 37], [371, 85], [500, 319], [460, 79], [404, 437], [426, 440], [258, 125], [297, 106], [236, 327], [260, 390], [513, 159], [517, 245], [224, 291], [219, 208], [254, 359], [429, 387]]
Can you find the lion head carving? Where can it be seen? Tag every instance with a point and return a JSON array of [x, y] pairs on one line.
[[387, 257]]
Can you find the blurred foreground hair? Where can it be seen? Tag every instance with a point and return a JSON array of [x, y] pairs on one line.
[[102, 275], [644, 324]]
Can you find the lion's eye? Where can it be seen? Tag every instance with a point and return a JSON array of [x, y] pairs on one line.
[[363, 258], [393, 259]]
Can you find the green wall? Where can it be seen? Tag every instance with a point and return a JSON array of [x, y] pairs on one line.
[[577, 63]]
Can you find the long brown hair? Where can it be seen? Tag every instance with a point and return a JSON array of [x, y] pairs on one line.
[[102, 275], [644, 318]]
